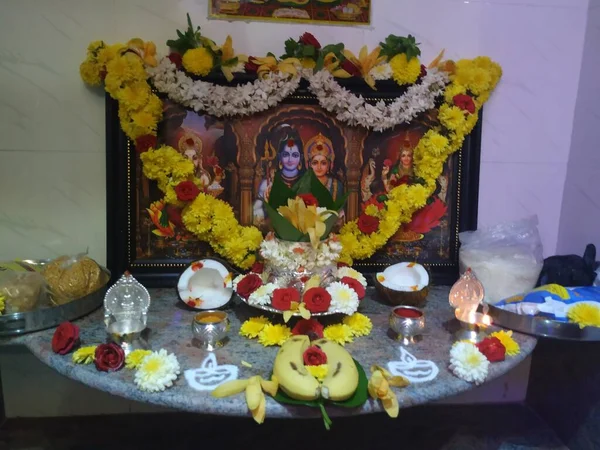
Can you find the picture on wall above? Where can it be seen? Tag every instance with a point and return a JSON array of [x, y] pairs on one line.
[[333, 12]]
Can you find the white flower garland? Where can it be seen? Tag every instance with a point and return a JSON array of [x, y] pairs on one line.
[[220, 101], [354, 110]]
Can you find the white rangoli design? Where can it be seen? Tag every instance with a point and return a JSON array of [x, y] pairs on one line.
[[413, 369], [210, 374]]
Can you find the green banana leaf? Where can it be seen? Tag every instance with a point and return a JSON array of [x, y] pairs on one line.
[[283, 228], [358, 399], [280, 193], [310, 184]]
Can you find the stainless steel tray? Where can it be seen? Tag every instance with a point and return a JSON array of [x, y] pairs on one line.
[[48, 317], [280, 312], [543, 327]]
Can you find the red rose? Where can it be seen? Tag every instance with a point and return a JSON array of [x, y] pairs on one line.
[[186, 191], [464, 102], [356, 285], [387, 162], [311, 328], [257, 267], [314, 356], [309, 199], [174, 214], [350, 68], [423, 71], [109, 357], [145, 143], [309, 39], [176, 59], [283, 298], [66, 336], [317, 299], [367, 224], [493, 349], [251, 66], [248, 285]]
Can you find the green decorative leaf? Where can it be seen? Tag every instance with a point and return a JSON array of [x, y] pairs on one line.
[[164, 219], [361, 394], [309, 51], [395, 45], [339, 203], [187, 40], [280, 193], [320, 192], [283, 228], [231, 62]]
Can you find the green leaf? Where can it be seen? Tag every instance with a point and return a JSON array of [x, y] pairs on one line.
[[339, 203], [283, 228], [361, 394], [230, 62], [320, 192], [282, 397], [308, 51], [164, 219], [280, 193]]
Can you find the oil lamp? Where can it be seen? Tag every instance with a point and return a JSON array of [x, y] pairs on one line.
[[465, 297]]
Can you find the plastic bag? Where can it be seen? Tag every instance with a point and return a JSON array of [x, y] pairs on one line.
[[22, 291], [507, 258], [73, 277]]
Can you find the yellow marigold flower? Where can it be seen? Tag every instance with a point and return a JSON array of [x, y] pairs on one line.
[[372, 210], [90, 73], [95, 46], [404, 71], [134, 95], [135, 358], [84, 355], [340, 333], [198, 61], [585, 315], [452, 91], [252, 327], [452, 117], [274, 335], [512, 346], [319, 372], [480, 81], [359, 324], [154, 106], [108, 53]]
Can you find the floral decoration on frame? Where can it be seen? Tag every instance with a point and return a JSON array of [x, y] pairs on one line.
[[130, 72]]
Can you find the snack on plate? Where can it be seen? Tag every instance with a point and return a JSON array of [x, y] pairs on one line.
[[22, 290], [70, 278], [551, 301]]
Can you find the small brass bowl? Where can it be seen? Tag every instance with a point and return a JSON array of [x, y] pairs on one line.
[[210, 328], [406, 298], [407, 328]]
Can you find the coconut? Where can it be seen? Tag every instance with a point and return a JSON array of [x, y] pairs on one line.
[[405, 283], [205, 284]]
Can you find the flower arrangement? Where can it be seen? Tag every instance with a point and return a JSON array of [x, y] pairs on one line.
[[130, 71], [155, 371]]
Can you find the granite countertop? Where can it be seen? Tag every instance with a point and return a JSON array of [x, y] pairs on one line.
[[169, 326]]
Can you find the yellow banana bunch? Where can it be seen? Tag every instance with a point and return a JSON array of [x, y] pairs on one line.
[[255, 398], [379, 388]]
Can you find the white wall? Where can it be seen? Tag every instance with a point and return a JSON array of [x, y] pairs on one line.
[[52, 165], [580, 215]]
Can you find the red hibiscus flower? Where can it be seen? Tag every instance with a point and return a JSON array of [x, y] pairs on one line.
[[464, 102], [176, 59], [350, 68], [427, 218], [283, 298], [493, 349], [109, 357], [251, 66], [309, 39], [317, 299], [186, 191], [145, 143], [311, 328], [258, 267], [174, 214], [248, 285], [314, 356], [309, 199], [65, 338], [367, 224], [356, 285]]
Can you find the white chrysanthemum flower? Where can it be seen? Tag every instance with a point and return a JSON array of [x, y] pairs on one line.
[[157, 371], [262, 296], [381, 72], [343, 298], [236, 280], [352, 273], [468, 363]]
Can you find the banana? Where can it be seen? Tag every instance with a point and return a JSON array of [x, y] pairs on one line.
[[342, 378], [289, 370]]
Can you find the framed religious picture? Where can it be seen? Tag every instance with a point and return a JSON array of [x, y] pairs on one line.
[[237, 160], [331, 12]]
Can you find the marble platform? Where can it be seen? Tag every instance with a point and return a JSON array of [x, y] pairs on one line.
[[170, 328]]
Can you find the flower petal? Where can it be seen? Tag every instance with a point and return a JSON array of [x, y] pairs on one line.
[[230, 388], [253, 393]]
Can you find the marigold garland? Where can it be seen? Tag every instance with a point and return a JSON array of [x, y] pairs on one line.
[[122, 67]]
